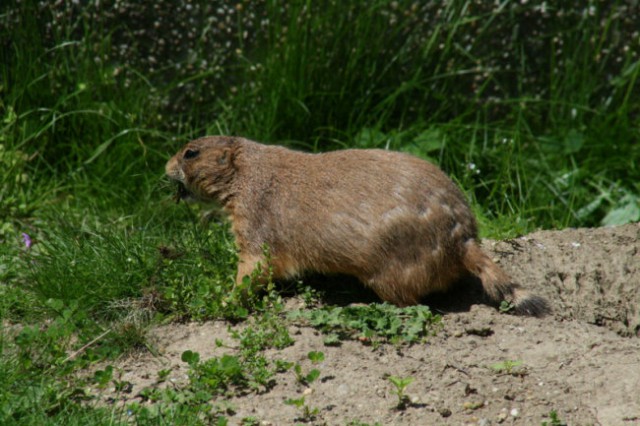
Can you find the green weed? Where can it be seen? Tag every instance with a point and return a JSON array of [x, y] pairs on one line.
[[215, 375], [375, 323], [265, 330], [307, 413], [512, 368], [313, 374], [250, 421], [506, 307], [554, 420], [400, 386], [196, 402]]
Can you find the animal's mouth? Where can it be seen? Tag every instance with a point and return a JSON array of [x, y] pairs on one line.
[[182, 193]]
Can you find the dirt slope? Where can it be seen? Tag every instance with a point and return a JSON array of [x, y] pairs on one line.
[[583, 362]]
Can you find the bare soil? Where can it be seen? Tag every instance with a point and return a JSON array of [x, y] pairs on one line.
[[583, 361]]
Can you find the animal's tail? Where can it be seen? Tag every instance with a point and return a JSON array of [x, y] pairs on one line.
[[499, 286]]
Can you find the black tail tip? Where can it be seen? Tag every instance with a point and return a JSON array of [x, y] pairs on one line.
[[534, 306]]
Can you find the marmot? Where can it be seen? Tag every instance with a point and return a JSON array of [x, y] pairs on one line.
[[394, 221]]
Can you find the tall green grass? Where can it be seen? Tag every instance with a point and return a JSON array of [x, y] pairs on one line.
[[532, 108], [557, 83]]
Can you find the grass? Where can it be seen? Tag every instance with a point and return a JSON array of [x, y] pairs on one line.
[[532, 109]]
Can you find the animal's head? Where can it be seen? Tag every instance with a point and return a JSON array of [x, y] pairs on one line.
[[203, 168]]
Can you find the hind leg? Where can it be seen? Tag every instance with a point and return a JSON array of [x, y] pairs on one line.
[[393, 289], [406, 283]]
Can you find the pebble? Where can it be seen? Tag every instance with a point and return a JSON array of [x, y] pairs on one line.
[[444, 412], [473, 405], [502, 416]]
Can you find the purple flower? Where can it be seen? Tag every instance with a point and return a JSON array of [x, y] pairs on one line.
[[27, 240]]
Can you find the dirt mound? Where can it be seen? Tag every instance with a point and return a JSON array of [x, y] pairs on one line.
[[591, 275], [583, 362]]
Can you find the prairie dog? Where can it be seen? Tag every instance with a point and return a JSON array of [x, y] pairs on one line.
[[394, 221]]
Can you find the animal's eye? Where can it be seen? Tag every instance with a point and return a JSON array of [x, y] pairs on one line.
[[190, 153]]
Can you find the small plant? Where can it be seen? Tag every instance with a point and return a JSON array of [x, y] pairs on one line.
[[315, 357], [311, 376], [308, 414], [512, 368], [400, 385], [250, 421], [265, 330], [282, 365], [309, 295], [215, 375], [163, 375], [554, 420], [190, 357], [305, 379], [103, 377], [506, 307], [122, 386]]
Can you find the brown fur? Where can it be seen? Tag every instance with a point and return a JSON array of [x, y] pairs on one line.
[[395, 222]]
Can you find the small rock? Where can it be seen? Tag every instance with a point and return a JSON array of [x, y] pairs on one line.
[[473, 405], [514, 412], [444, 412]]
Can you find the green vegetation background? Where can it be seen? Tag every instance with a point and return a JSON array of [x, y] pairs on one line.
[[532, 107]]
